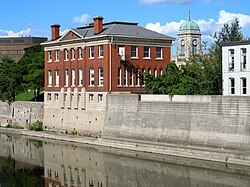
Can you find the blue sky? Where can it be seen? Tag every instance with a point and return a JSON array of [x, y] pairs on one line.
[[33, 18]]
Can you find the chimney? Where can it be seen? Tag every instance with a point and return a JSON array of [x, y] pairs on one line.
[[55, 30], [98, 24]]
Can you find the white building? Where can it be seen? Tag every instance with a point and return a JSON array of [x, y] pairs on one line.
[[236, 68]]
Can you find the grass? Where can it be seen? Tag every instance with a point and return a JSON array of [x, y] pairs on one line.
[[28, 96], [25, 96]]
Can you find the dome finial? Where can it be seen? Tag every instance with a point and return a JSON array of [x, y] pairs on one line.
[[189, 17]]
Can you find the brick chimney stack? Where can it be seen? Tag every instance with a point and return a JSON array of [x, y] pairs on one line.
[[98, 24], [55, 30]]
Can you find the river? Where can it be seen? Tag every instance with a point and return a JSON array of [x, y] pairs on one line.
[[28, 162]]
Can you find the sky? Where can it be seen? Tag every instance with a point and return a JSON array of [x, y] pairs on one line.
[[33, 18]]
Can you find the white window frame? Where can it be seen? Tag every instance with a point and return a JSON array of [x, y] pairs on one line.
[[66, 55], [57, 55], [160, 71], [80, 77], [49, 78], [91, 77], [91, 52], [155, 72], [73, 54], [91, 97], [243, 87], [73, 77], [66, 82], [57, 78], [119, 77], [79, 53], [131, 78], [125, 78], [100, 97], [100, 77], [231, 64], [132, 51], [232, 87], [100, 51], [158, 52], [243, 58], [49, 56], [146, 52]]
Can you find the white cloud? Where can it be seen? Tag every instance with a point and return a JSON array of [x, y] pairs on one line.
[[225, 17], [82, 19], [6, 33]]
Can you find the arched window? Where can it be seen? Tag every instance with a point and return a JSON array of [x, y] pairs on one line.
[[232, 86], [182, 47], [243, 86], [194, 48]]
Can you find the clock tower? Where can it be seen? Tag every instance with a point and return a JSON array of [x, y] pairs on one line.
[[189, 41]]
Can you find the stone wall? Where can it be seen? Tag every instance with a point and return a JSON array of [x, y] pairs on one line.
[[20, 113], [213, 121]]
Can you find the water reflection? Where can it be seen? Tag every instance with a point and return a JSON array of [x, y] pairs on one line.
[[81, 166]]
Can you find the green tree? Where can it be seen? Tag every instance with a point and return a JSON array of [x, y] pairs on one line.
[[10, 79], [32, 67]]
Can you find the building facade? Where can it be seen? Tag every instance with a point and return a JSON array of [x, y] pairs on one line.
[[189, 41], [236, 68], [87, 63], [13, 47]]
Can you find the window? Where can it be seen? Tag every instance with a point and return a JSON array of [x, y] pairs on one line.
[[125, 80], [66, 83], [119, 83], [66, 54], [159, 52], [155, 72], [134, 52], [57, 77], [91, 77], [146, 52], [56, 97], [244, 85], [49, 97], [160, 70], [57, 55], [100, 97], [91, 52], [131, 78], [91, 97], [100, 81], [79, 53], [149, 71], [232, 85], [143, 76], [137, 79], [49, 78], [80, 77], [194, 47], [243, 58], [73, 55], [182, 47], [49, 56], [231, 60], [101, 52], [73, 78]]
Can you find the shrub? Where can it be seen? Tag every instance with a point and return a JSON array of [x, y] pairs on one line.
[[37, 126]]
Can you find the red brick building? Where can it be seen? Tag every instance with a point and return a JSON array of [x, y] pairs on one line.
[[86, 63], [107, 57]]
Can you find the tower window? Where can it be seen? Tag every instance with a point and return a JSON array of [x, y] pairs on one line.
[[182, 47]]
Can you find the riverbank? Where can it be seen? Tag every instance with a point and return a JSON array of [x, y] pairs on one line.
[[227, 156]]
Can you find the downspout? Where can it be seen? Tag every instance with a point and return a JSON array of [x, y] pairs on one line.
[[110, 63]]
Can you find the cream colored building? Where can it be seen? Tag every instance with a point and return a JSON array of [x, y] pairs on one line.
[[189, 41]]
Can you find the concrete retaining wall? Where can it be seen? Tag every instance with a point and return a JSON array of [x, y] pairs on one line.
[[21, 113], [222, 122]]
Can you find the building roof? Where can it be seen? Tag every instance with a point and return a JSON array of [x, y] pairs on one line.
[[189, 25], [121, 29], [235, 43]]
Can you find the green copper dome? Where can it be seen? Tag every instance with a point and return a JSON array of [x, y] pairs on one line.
[[189, 25]]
